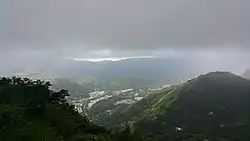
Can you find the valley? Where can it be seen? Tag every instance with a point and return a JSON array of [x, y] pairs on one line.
[[208, 107], [211, 106], [124, 70]]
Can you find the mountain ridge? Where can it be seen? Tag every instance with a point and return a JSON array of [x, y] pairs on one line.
[[212, 106]]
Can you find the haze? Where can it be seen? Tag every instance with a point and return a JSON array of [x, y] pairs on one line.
[[213, 35]]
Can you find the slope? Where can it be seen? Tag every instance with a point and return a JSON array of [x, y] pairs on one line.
[[215, 106], [31, 111]]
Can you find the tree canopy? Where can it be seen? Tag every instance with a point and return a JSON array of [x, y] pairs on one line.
[[31, 111]]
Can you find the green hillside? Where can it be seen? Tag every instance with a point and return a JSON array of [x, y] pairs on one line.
[[215, 107], [123, 113], [211, 107], [31, 111]]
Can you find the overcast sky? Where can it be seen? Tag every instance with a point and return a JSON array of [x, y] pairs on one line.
[[121, 28]]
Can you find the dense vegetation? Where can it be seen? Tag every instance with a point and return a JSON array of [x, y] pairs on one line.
[[31, 111], [212, 107], [125, 112]]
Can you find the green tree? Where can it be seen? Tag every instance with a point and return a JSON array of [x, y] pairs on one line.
[[30, 110]]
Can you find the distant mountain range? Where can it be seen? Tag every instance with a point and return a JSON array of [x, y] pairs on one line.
[[140, 72], [210, 107], [213, 107], [127, 73]]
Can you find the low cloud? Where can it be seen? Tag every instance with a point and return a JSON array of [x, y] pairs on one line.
[[83, 28]]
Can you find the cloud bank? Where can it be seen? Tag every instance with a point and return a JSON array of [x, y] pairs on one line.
[[101, 28]]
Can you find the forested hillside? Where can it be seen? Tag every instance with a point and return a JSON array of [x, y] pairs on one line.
[[31, 111], [213, 107]]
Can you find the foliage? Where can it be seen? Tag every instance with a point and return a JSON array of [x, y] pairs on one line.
[[31, 111], [212, 107]]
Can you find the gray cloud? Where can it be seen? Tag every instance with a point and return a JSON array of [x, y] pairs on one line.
[[84, 27]]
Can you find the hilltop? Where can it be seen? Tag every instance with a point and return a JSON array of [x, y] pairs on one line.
[[214, 106], [211, 107]]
